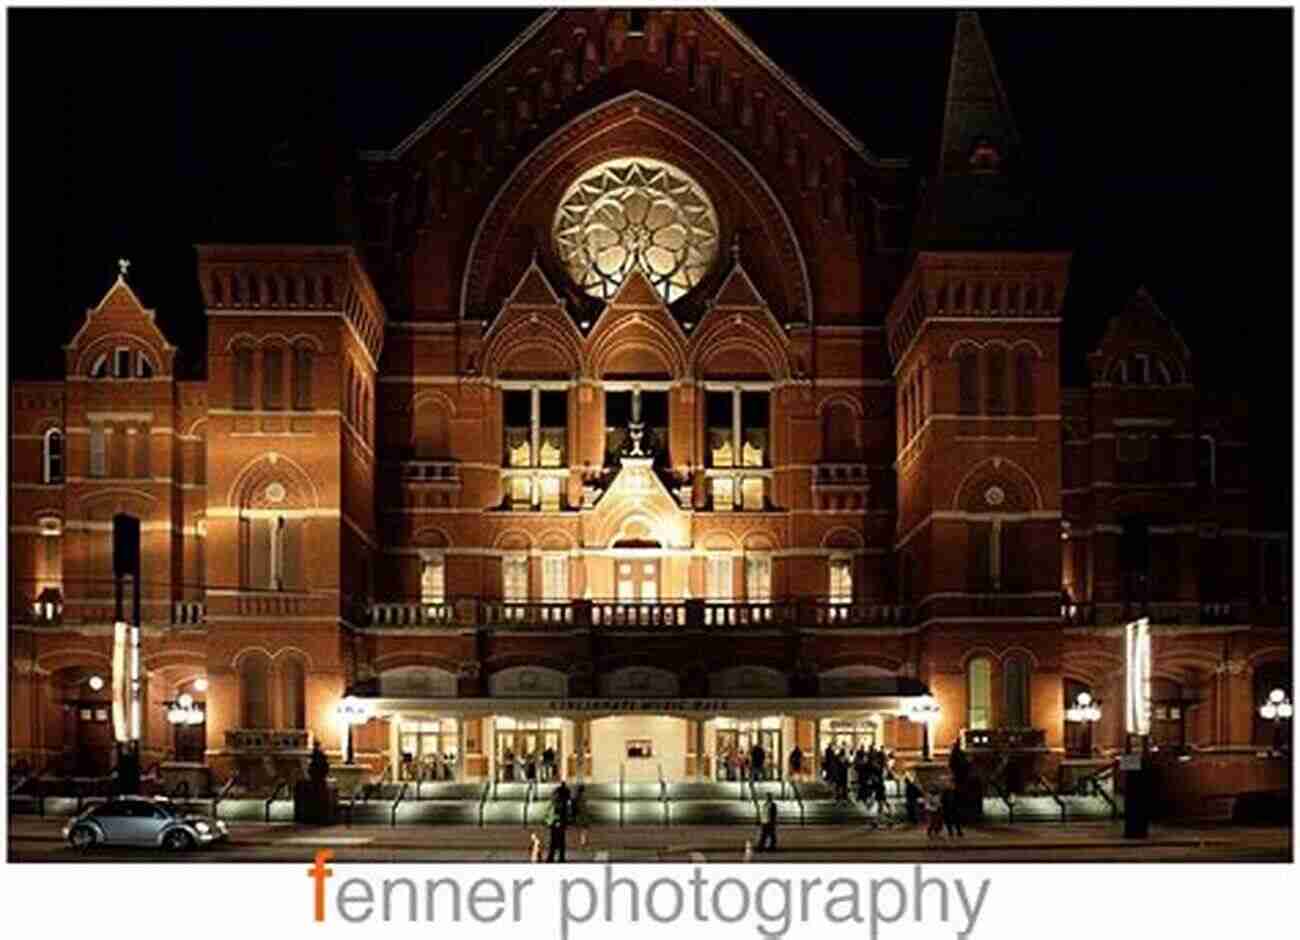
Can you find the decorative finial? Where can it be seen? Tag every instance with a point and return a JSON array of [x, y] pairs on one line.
[[122, 265], [735, 247]]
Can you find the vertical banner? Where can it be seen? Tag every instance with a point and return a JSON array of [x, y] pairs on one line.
[[1137, 677]]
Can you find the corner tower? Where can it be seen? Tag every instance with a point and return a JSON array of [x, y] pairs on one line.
[[974, 338]]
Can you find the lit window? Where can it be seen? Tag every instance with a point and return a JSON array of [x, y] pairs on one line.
[[719, 580], [433, 583], [723, 494], [751, 492], [521, 493], [555, 577], [841, 581], [550, 494], [758, 578], [514, 576], [979, 693]]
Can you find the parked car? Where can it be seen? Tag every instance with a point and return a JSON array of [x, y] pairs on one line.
[[136, 821]]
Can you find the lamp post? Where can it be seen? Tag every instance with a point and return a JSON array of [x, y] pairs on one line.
[[1086, 712], [183, 712], [352, 711], [927, 713], [1277, 708]]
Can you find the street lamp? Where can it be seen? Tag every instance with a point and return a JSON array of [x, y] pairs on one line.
[[926, 712], [1086, 712], [352, 711], [1277, 709], [184, 711]]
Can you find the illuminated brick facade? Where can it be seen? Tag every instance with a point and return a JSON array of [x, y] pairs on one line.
[[838, 465]]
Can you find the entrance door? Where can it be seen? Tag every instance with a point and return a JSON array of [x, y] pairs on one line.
[[514, 747], [88, 730], [734, 749], [429, 749]]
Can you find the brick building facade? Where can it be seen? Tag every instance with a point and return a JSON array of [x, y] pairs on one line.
[[642, 412]]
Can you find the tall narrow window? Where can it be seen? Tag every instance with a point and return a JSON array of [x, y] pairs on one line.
[[433, 583], [555, 577], [121, 363], [293, 689], [755, 421], [52, 457], [979, 557], [758, 578], [302, 379], [968, 381], [719, 419], [243, 378], [517, 415], [552, 431], [979, 693], [1015, 679], [272, 378], [841, 583], [1024, 383], [117, 452], [514, 578], [719, 584], [254, 697], [996, 389]]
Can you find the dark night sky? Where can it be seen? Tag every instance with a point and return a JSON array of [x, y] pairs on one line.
[[1164, 138]]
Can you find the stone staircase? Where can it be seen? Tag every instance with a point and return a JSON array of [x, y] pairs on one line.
[[687, 803]]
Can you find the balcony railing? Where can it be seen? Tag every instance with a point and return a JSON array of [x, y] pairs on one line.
[[1219, 613], [469, 612]]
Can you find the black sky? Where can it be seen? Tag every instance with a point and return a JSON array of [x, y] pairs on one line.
[[1164, 139]]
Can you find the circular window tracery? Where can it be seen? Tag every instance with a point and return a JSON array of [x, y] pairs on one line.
[[635, 213]]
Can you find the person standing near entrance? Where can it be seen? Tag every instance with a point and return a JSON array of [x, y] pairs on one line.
[[548, 764], [951, 811], [508, 765], [828, 764], [796, 763], [757, 757], [767, 833]]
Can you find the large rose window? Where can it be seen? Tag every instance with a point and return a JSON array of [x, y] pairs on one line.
[[636, 213]]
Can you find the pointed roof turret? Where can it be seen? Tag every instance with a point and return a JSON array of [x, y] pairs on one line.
[[979, 131]]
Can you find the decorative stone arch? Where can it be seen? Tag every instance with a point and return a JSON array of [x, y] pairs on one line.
[[194, 429], [997, 484], [978, 652], [1027, 344], [428, 425], [759, 540], [246, 651], [555, 540], [241, 340], [431, 536], [843, 537], [423, 658], [863, 677], [75, 658], [175, 659], [641, 341], [108, 342], [417, 681], [637, 526], [955, 350], [1018, 650], [841, 417], [719, 540], [103, 505], [746, 354], [252, 486], [513, 540], [749, 681], [545, 340], [615, 128], [532, 681]]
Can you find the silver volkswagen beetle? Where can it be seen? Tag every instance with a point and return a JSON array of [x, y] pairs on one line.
[[138, 821]]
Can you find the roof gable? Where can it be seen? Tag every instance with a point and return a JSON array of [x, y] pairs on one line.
[[119, 316]]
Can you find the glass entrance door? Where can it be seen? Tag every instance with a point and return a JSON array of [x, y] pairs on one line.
[[848, 734], [429, 749], [734, 749], [521, 741]]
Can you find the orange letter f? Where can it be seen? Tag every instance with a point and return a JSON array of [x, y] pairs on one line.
[[318, 873]]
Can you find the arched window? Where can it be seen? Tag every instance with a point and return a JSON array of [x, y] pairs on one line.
[[272, 378], [243, 378], [968, 381], [99, 369], [52, 457], [1024, 382], [979, 693], [302, 365], [1015, 688], [293, 693], [254, 691], [996, 387]]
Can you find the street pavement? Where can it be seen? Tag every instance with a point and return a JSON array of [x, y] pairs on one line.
[[35, 840]]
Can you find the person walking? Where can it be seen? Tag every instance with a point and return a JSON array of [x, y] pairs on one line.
[[548, 764], [530, 769], [828, 764], [934, 815], [796, 763], [757, 757], [767, 833], [508, 765]]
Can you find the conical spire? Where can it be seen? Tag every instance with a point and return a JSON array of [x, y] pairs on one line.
[[979, 132]]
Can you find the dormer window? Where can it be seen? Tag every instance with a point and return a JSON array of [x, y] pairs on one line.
[[122, 363], [100, 369]]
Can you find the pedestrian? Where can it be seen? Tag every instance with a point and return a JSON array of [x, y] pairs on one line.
[[842, 776], [958, 765], [912, 794], [796, 763], [951, 812], [508, 765], [878, 786], [757, 757], [828, 764], [767, 833], [534, 847], [548, 763], [934, 815], [557, 825], [530, 770]]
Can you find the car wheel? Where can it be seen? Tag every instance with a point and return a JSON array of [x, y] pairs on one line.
[[178, 840], [82, 838]]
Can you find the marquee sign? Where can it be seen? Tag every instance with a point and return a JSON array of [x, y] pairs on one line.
[[644, 705]]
